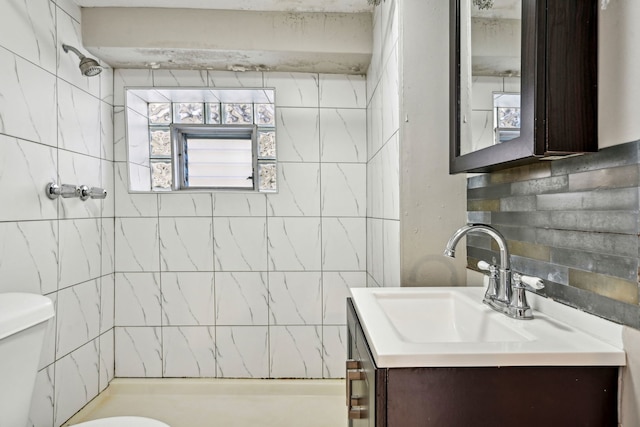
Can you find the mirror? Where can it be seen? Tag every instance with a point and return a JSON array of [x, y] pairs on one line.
[[524, 79]]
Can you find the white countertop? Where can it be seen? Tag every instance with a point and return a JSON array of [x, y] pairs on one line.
[[557, 336]]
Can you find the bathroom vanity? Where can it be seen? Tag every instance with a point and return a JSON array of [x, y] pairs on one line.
[[448, 372]]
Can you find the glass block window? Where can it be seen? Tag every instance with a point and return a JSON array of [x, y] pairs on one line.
[[209, 145]]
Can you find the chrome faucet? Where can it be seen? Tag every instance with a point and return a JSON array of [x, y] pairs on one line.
[[500, 292]]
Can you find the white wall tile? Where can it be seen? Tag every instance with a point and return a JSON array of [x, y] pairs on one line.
[[177, 204], [298, 191], [48, 354], [80, 255], [186, 244], [35, 42], [108, 184], [240, 244], [30, 261], [119, 132], [137, 141], [137, 244], [78, 169], [189, 352], [28, 109], [238, 204], [336, 288], [71, 8], [294, 244], [242, 351], [390, 160], [123, 78], [78, 316], [298, 134], [296, 351], [374, 124], [138, 352], [106, 85], [342, 91], [41, 412], [131, 204], [231, 79], [334, 351], [76, 381], [26, 169], [375, 250], [344, 189], [241, 298], [343, 135], [107, 363], [137, 299], [188, 299], [107, 302], [389, 24], [106, 131], [108, 246], [78, 120], [344, 244], [391, 248], [390, 97], [294, 89], [295, 298], [192, 78]]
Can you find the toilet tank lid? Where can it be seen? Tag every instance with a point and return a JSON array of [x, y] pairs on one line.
[[19, 311]]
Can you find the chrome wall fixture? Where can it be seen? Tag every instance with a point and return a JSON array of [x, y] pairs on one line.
[[88, 66], [83, 192]]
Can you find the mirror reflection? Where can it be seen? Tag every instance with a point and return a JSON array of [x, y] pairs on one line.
[[490, 68]]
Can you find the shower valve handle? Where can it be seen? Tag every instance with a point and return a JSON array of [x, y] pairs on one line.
[[93, 192]]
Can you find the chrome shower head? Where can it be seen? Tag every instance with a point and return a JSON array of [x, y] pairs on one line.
[[88, 66]]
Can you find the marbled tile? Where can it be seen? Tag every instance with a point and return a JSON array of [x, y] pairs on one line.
[[295, 298], [79, 169], [241, 298], [41, 412], [69, 31], [391, 249], [78, 316], [298, 191], [390, 157], [78, 121], [375, 187], [138, 352], [242, 351], [137, 244], [344, 244], [295, 351], [106, 131], [343, 135], [26, 169], [107, 362], [129, 78], [375, 264], [374, 123], [107, 173], [390, 31], [48, 353], [294, 89], [187, 299], [186, 244], [390, 96], [231, 79], [294, 244], [139, 178], [28, 111], [191, 78], [137, 140], [76, 381], [108, 246], [29, 257], [240, 244], [137, 299], [298, 134], [119, 135], [106, 85], [238, 204], [107, 302], [131, 204], [71, 8], [28, 29], [185, 204], [80, 255], [344, 189], [189, 351], [342, 91], [334, 351], [335, 291]]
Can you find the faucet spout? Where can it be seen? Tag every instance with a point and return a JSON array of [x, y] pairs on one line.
[[504, 290]]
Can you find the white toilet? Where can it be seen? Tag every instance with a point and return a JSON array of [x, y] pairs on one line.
[[23, 322]]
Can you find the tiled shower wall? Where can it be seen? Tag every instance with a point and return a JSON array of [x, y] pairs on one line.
[[56, 125], [247, 285], [572, 222], [383, 148]]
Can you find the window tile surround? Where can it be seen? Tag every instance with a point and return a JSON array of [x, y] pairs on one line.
[[572, 222], [265, 274]]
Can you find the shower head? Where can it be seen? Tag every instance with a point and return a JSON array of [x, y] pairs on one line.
[[88, 66]]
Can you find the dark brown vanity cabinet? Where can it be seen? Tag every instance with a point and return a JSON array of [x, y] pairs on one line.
[[474, 396]]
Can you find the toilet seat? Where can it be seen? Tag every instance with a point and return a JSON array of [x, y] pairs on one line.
[[123, 422]]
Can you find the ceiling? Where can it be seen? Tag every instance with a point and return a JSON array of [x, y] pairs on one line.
[[342, 6]]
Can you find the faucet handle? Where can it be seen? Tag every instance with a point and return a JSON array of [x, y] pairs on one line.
[[531, 282]]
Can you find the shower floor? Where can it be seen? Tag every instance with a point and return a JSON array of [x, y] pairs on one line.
[[223, 402]]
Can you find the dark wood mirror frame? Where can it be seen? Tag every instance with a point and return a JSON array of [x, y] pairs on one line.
[[559, 87]]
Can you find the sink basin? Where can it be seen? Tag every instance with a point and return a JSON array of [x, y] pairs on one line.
[[444, 317], [449, 327]]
